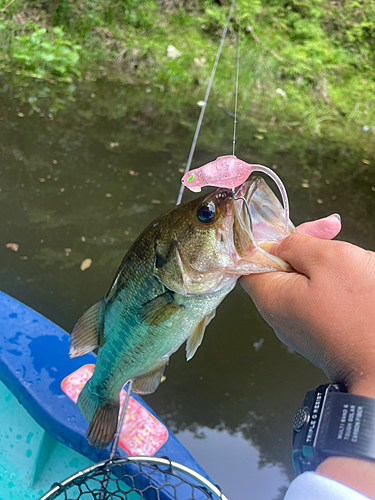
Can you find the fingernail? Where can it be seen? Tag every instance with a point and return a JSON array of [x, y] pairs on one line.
[[338, 217]]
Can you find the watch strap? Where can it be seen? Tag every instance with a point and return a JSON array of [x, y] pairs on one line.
[[346, 427]]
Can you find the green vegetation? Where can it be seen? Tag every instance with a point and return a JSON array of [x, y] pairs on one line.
[[42, 54], [305, 64]]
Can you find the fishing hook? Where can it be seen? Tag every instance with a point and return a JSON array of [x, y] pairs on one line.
[[235, 197]]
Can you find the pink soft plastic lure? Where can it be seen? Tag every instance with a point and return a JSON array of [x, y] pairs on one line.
[[230, 172]]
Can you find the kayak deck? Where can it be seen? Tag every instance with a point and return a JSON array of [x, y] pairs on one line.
[[42, 433], [30, 460]]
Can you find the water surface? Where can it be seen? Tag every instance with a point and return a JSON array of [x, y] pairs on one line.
[[83, 185]]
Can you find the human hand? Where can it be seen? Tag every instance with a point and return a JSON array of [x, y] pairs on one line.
[[325, 309]]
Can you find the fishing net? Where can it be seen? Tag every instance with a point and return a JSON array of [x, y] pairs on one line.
[[135, 478]]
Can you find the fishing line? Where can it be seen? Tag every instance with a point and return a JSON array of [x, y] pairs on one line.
[[236, 97], [260, 168], [234, 194], [203, 108], [7, 5]]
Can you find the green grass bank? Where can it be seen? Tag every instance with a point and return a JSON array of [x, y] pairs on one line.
[[305, 64]]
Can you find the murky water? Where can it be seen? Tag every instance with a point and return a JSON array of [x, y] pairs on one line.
[[84, 184]]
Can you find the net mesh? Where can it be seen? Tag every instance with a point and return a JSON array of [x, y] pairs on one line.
[[135, 479]]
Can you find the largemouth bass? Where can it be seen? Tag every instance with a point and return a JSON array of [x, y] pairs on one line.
[[166, 291]]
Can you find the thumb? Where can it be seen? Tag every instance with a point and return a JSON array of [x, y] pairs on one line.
[[272, 291], [304, 253], [325, 229]]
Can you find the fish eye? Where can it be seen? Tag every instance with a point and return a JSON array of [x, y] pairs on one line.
[[206, 213]]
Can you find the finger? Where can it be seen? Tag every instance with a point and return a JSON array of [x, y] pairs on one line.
[[325, 229], [304, 253], [273, 291]]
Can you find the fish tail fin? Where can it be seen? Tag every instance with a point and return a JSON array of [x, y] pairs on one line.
[[103, 425], [102, 419], [85, 336], [87, 403]]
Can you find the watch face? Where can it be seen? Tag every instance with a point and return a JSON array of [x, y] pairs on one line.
[[305, 426]]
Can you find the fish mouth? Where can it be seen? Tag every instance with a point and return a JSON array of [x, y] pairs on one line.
[[259, 215]]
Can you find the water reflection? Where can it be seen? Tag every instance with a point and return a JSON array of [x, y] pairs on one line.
[[84, 184], [236, 462]]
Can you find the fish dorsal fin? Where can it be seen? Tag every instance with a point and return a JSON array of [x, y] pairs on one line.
[[148, 383], [85, 334], [195, 339], [159, 309]]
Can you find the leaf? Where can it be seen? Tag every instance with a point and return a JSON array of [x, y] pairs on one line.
[[85, 264], [12, 246], [47, 56], [22, 57]]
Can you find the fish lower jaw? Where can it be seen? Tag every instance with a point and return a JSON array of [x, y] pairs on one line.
[[264, 263], [266, 245]]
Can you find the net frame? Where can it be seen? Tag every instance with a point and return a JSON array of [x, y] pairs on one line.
[[162, 466]]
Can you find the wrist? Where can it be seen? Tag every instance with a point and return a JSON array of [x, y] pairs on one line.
[[356, 473]]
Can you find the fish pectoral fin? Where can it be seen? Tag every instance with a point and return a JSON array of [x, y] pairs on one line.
[[85, 334], [159, 309], [195, 339], [148, 383]]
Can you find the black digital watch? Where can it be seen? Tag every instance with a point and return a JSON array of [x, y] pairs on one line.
[[331, 422]]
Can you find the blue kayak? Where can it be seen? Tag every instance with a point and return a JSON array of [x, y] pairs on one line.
[[42, 433]]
